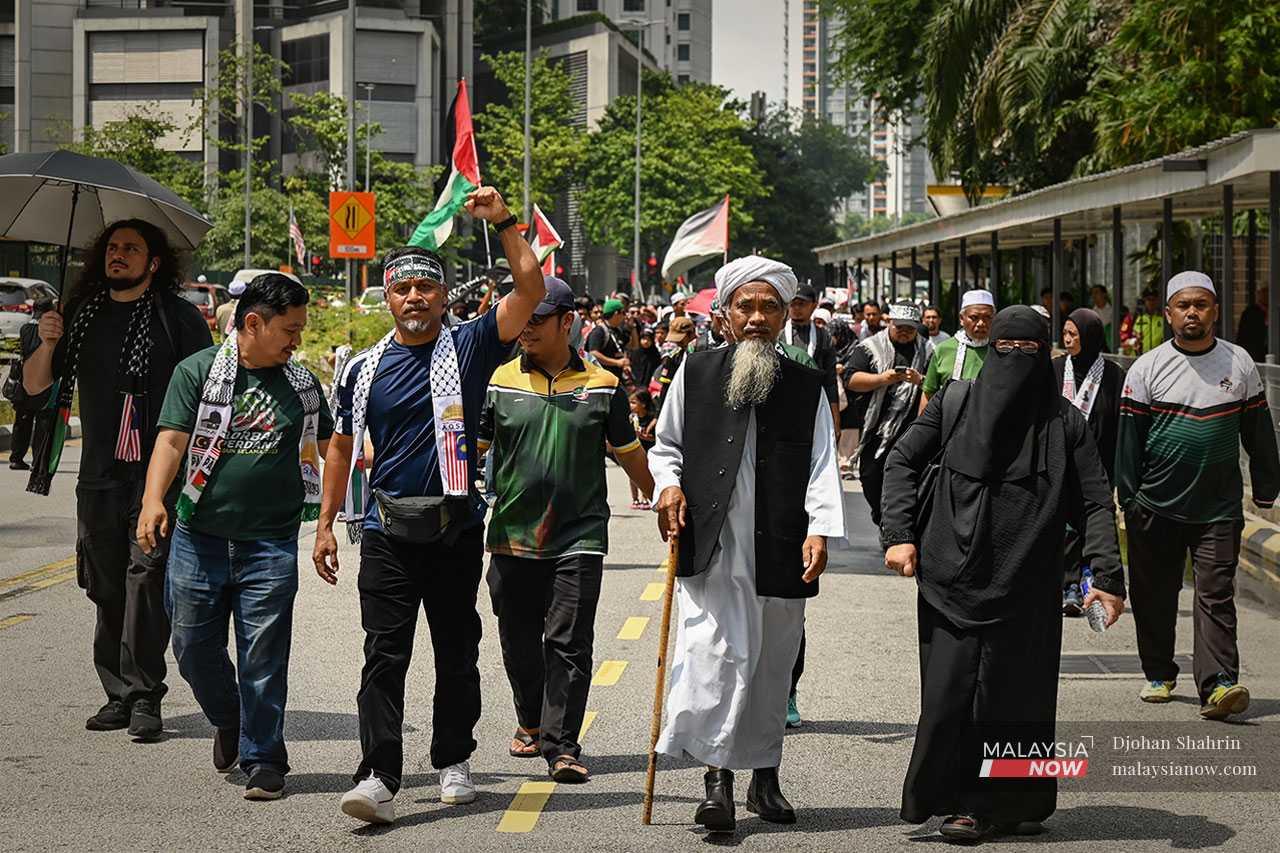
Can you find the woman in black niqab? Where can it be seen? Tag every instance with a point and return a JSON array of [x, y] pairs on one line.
[[1017, 465]]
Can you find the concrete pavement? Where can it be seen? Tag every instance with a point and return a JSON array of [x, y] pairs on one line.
[[65, 788]]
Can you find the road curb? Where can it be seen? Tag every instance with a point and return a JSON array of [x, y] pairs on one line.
[[6, 434]]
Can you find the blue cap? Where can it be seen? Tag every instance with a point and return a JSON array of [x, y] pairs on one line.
[[559, 298]]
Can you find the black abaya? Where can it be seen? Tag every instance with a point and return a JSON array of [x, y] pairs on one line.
[[989, 572]]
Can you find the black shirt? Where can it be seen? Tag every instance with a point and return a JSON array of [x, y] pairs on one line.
[[97, 382], [602, 340]]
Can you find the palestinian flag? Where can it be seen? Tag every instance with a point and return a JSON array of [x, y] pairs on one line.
[[463, 169], [703, 236], [545, 241]]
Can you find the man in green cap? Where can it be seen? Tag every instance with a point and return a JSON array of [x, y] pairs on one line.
[[603, 343]]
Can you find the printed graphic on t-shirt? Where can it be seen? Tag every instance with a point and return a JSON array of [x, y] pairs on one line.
[[256, 427]]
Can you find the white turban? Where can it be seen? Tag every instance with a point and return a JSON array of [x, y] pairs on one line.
[[733, 275], [977, 297]]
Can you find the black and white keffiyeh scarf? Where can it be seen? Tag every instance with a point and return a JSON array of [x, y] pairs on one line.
[[213, 421], [132, 380]]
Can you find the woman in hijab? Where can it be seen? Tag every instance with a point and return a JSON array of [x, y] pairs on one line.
[[843, 341], [1016, 462], [1091, 384]]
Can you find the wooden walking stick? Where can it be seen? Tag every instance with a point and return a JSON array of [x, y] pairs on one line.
[[659, 690]]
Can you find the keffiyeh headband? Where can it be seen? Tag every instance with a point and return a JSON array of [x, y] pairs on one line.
[[408, 267]]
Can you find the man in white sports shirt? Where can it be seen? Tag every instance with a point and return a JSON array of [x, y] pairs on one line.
[[1187, 406], [418, 393], [961, 357]]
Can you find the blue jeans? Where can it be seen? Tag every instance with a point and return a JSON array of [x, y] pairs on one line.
[[209, 580]]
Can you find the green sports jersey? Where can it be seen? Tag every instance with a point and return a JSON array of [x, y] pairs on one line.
[[943, 362], [548, 436]]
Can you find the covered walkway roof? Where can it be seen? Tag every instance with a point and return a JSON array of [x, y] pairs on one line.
[[1238, 172]]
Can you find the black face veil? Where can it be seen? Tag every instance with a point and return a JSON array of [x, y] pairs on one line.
[[1000, 437]]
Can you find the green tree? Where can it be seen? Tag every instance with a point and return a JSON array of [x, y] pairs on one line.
[[855, 224], [877, 45], [559, 144], [694, 151], [809, 166], [1183, 72], [135, 141]]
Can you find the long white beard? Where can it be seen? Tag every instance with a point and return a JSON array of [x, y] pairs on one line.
[[755, 369], [978, 342]]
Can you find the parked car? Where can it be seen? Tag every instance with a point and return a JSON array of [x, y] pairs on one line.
[[373, 299], [247, 275], [18, 297], [207, 297]]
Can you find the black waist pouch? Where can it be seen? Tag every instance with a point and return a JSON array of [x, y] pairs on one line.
[[421, 520]]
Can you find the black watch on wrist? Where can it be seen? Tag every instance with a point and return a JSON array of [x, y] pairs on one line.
[[505, 224]]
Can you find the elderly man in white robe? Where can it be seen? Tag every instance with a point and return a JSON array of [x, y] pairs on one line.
[[745, 466]]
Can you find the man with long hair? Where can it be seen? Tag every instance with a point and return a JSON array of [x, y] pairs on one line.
[[126, 329]]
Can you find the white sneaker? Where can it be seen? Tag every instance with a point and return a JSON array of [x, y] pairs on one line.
[[456, 786], [370, 801]]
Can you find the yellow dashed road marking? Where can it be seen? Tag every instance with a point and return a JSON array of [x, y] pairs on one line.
[[587, 719], [19, 618], [609, 673], [522, 815], [633, 628], [26, 578], [653, 592]]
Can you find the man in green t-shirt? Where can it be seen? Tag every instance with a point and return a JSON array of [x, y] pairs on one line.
[[251, 426], [961, 357]]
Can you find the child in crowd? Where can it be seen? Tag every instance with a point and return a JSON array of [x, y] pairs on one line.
[[645, 422]]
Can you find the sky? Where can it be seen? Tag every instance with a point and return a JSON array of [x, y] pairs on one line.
[[747, 47]]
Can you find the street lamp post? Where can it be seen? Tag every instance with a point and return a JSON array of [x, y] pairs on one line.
[[248, 143], [640, 27], [368, 129], [528, 103]]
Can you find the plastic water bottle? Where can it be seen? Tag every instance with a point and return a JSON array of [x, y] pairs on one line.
[[1095, 613]]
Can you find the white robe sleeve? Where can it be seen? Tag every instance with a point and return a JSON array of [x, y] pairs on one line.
[[824, 501], [666, 458]]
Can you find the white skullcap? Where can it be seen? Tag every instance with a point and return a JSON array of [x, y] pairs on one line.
[[236, 288], [821, 314], [1189, 278], [1042, 311], [734, 274], [977, 297]]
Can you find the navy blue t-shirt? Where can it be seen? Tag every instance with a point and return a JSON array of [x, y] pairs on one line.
[[400, 420]]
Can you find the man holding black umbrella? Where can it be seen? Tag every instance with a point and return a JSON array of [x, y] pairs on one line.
[[125, 332]]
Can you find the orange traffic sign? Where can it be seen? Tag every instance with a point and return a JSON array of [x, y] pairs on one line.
[[352, 221]]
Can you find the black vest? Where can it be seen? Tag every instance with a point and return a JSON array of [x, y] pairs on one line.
[[713, 439]]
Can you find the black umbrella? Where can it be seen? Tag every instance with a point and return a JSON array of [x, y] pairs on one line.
[[66, 199]]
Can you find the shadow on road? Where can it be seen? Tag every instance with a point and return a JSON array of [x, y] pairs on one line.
[[298, 726], [1101, 823], [876, 732]]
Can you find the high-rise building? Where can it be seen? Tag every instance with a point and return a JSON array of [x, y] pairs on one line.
[[894, 143], [70, 64], [678, 35]]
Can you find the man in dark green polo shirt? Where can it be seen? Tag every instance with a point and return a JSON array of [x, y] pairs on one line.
[[549, 419], [251, 426]]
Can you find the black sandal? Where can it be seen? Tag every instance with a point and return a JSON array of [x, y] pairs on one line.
[[965, 829], [569, 770], [526, 741]]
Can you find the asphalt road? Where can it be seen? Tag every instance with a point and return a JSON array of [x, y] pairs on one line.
[[64, 788]]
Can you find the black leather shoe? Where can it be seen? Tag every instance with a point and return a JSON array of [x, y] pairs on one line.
[[764, 797], [145, 723], [716, 811], [110, 717]]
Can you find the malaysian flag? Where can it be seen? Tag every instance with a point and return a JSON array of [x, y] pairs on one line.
[[455, 459], [299, 245]]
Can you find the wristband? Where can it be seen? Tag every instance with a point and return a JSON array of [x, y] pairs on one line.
[[504, 224]]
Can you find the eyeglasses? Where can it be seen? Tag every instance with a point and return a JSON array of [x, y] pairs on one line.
[[1029, 347]]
